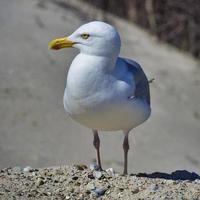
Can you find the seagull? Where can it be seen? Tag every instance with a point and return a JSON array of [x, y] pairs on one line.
[[104, 92]]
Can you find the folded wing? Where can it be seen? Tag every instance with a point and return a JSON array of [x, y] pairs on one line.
[[142, 84]]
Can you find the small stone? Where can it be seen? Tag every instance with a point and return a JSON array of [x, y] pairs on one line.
[[121, 189], [169, 182], [39, 182], [91, 176], [94, 166], [90, 186], [119, 194], [27, 169], [49, 193], [87, 192], [71, 190], [67, 197], [153, 187], [58, 172], [110, 171], [56, 181], [99, 191], [108, 192], [197, 181], [75, 178], [44, 193], [97, 174], [81, 167], [80, 196], [33, 173], [135, 191], [77, 184], [135, 178], [17, 170]]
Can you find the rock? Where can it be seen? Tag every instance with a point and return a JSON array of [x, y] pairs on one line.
[[110, 171], [75, 178], [121, 189], [170, 182], [94, 166], [77, 183], [67, 197], [153, 187], [27, 169], [120, 194], [90, 176], [135, 191], [99, 191], [49, 193], [39, 182], [97, 174], [81, 167], [58, 172], [33, 173], [197, 181], [17, 170], [90, 186]]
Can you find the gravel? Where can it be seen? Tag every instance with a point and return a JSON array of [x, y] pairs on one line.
[[80, 182]]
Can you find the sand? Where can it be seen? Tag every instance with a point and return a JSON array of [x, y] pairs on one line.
[[79, 183]]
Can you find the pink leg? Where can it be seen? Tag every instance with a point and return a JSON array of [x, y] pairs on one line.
[[126, 148], [96, 143]]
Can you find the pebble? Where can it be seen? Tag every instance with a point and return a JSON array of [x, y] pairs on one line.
[[197, 181], [134, 178], [58, 172], [17, 170], [90, 176], [27, 169], [75, 178], [94, 166], [135, 191], [170, 182], [81, 167], [153, 187], [120, 194], [90, 186], [110, 171], [33, 173], [39, 182], [53, 184], [99, 191], [97, 174]]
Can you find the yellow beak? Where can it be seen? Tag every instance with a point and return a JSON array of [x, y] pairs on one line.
[[60, 43]]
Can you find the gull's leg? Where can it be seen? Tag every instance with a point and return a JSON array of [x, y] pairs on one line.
[[126, 148], [96, 143]]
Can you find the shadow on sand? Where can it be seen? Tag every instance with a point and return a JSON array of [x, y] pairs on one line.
[[176, 175]]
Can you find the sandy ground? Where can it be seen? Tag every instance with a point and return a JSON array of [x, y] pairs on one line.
[[80, 183], [34, 128]]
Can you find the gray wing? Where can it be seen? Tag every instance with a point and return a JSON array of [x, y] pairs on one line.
[[142, 83]]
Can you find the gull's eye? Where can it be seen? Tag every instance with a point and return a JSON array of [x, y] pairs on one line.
[[85, 36]]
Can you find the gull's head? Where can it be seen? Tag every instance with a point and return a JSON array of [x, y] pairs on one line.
[[94, 38]]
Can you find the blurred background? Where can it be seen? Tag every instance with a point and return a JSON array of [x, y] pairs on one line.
[[163, 36], [176, 22]]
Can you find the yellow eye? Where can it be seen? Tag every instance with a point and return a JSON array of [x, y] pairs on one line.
[[85, 36]]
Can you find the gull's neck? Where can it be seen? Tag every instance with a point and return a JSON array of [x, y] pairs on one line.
[[87, 73], [104, 63], [86, 66]]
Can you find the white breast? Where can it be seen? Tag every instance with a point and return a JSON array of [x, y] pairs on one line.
[[98, 99]]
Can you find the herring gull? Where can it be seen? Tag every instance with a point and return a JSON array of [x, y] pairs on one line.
[[104, 92]]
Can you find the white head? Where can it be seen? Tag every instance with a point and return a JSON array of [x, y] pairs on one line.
[[94, 38]]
